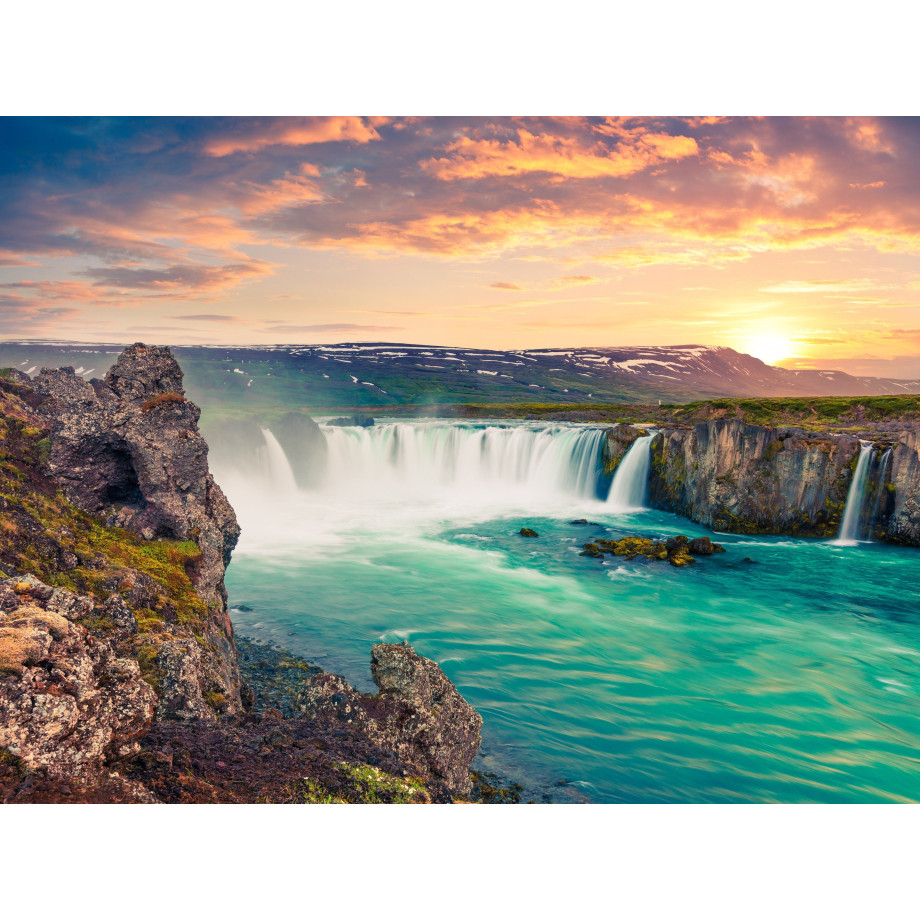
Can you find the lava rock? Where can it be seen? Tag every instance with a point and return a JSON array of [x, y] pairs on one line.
[[418, 714], [703, 546]]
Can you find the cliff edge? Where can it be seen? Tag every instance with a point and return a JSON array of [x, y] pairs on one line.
[[119, 673]]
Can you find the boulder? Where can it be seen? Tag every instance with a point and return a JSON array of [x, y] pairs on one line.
[[418, 714], [703, 546]]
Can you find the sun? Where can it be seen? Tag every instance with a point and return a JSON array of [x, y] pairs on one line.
[[769, 347]]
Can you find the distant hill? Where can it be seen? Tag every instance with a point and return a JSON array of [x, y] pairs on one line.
[[321, 377]]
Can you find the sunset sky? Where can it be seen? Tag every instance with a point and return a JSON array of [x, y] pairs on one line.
[[796, 240]]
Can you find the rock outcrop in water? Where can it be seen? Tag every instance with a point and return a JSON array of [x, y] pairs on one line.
[[418, 714], [119, 674], [678, 551]]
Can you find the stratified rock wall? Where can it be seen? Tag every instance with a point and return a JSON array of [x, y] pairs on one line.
[[902, 525], [742, 478], [617, 443]]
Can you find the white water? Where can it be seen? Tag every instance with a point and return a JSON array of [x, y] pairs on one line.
[[629, 488], [880, 491], [849, 527], [422, 459], [411, 478], [275, 464]]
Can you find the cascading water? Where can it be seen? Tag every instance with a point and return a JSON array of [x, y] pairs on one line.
[[630, 481], [587, 673], [881, 482], [276, 465], [434, 457], [850, 526], [411, 477]]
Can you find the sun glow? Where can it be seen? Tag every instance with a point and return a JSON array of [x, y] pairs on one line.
[[769, 347]]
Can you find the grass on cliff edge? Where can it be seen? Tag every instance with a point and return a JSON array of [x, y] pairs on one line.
[[821, 413], [43, 534]]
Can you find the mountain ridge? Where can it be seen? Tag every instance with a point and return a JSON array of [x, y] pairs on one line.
[[266, 377]]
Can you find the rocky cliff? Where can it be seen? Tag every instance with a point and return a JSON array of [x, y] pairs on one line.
[[742, 478], [902, 523], [128, 449], [119, 673]]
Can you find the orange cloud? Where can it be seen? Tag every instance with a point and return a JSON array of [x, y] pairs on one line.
[[291, 132], [570, 157]]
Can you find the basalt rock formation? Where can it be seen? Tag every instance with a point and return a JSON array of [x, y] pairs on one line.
[[744, 478], [902, 523]]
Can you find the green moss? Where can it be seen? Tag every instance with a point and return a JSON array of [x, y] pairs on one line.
[[151, 672], [361, 784], [11, 763], [217, 701], [772, 449]]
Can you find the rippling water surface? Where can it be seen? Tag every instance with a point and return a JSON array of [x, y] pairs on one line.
[[791, 678]]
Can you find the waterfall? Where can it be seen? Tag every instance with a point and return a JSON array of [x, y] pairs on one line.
[[880, 488], [275, 465], [850, 527], [420, 457], [630, 481]]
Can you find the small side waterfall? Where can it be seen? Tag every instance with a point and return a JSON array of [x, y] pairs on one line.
[[880, 483], [630, 481], [276, 464], [850, 528]]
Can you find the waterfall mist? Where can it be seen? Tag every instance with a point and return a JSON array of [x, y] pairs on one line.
[[408, 475]]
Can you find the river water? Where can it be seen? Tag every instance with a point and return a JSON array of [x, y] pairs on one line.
[[780, 671]]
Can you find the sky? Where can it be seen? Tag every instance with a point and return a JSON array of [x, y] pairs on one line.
[[793, 239]]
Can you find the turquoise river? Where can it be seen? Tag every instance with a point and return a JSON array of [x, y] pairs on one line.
[[780, 671]]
